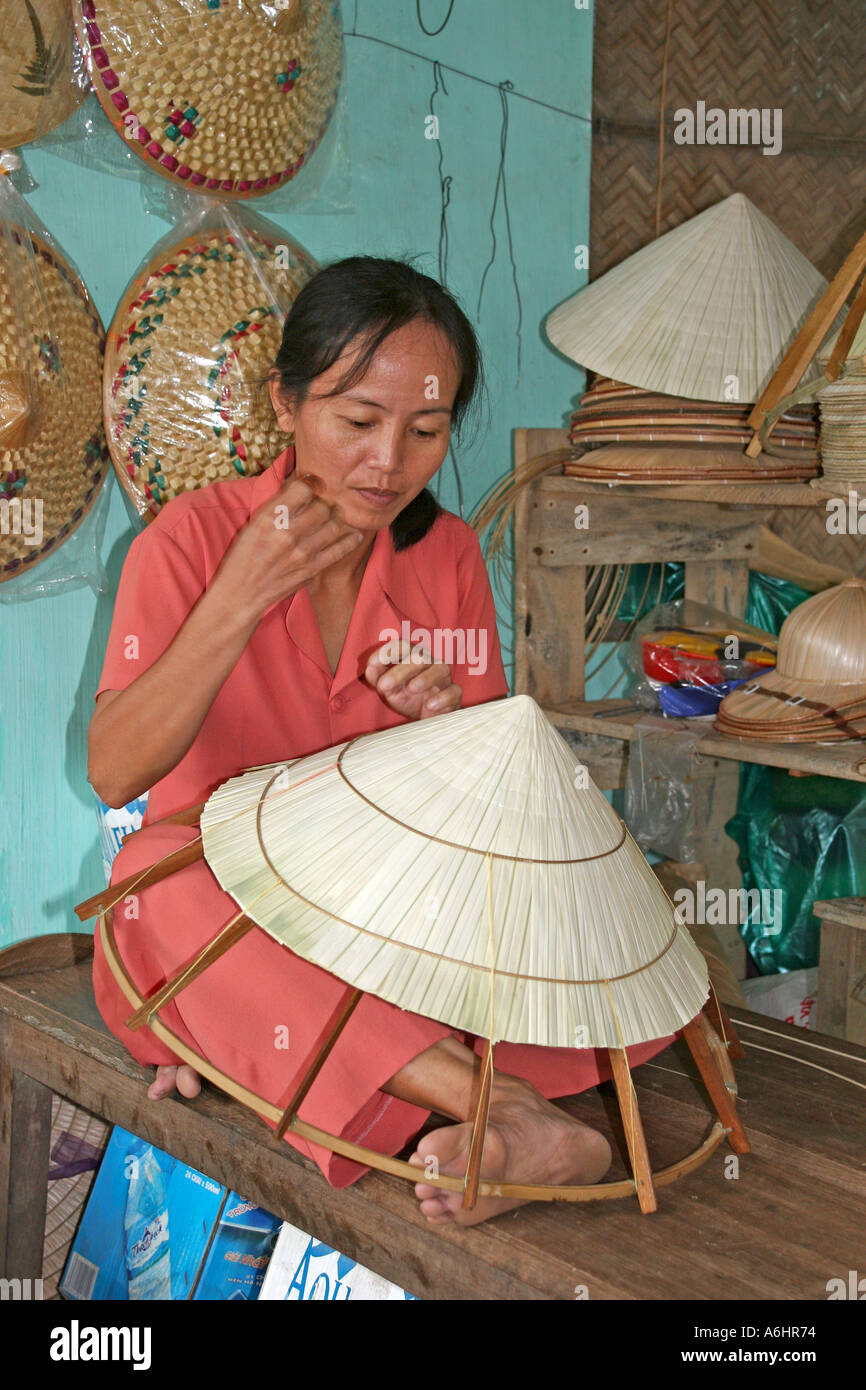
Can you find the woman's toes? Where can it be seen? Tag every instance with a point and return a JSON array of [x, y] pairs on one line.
[[164, 1083], [433, 1207], [188, 1082]]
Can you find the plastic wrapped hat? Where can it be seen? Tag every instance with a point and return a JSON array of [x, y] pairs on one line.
[[39, 87], [464, 867], [226, 96], [192, 338], [817, 690], [53, 455], [719, 297]]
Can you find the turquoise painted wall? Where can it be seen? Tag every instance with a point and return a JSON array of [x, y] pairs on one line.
[[52, 648]]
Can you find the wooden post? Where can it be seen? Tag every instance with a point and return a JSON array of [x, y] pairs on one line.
[[341, 1017], [479, 1129], [171, 864], [842, 968], [714, 1082], [633, 1126], [230, 934], [548, 657], [25, 1126]]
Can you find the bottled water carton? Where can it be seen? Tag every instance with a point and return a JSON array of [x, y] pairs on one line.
[[145, 1225]]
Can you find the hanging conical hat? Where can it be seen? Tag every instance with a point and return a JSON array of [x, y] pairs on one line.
[[53, 456], [230, 96], [374, 860], [821, 662], [38, 89], [721, 295], [192, 338]]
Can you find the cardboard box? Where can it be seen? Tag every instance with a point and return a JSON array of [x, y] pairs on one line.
[[155, 1228], [303, 1270]]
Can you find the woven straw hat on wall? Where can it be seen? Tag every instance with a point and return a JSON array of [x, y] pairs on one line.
[[53, 455], [190, 343], [38, 89], [227, 96]]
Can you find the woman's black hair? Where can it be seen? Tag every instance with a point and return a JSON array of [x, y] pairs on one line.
[[366, 299]]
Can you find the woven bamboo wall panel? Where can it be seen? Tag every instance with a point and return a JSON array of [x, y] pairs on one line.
[[806, 529], [806, 59]]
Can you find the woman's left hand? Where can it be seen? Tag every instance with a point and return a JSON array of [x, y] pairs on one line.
[[412, 685]]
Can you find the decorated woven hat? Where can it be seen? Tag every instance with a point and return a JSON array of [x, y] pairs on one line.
[[228, 96], [38, 89], [53, 455], [718, 298], [192, 339], [818, 685]]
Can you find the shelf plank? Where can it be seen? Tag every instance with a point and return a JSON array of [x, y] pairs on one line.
[[602, 717]]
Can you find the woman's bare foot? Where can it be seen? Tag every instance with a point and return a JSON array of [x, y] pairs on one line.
[[528, 1140], [182, 1078]]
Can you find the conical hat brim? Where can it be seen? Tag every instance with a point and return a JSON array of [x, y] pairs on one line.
[[758, 703], [723, 294], [371, 860]]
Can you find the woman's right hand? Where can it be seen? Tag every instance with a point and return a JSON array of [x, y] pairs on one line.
[[291, 538]]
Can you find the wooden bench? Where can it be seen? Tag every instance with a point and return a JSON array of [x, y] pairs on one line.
[[790, 1221]]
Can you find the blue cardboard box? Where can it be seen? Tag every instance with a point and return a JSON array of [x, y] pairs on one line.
[[156, 1229]]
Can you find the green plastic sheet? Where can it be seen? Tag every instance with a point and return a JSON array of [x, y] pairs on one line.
[[802, 836]]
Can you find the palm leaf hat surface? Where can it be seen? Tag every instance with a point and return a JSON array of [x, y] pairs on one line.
[[39, 87], [374, 860], [721, 295], [224, 96], [464, 867]]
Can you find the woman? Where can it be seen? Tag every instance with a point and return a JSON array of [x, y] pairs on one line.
[[254, 623]]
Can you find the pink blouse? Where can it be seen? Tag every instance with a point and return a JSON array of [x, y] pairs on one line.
[[280, 700]]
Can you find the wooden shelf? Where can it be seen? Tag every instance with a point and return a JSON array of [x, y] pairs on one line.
[[600, 717]]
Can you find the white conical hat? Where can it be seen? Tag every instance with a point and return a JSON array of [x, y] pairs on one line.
[[374, 860], [721, 295]]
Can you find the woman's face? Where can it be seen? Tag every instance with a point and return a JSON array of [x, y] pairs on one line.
[[376, 445]]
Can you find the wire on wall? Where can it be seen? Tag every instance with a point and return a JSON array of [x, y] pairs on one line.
[[431, 33], [502, 185], [445, 182]]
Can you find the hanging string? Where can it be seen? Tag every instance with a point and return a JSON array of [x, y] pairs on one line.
[[431, 33], [504, 88], [445, 181]]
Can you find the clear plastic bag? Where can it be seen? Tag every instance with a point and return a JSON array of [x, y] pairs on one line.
[[188, 352], [687, 656], [53, 454], [659, 788], [238, 99], [43, 77]]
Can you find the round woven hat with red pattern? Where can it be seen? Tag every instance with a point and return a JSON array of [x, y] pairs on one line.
[[227, 96]]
